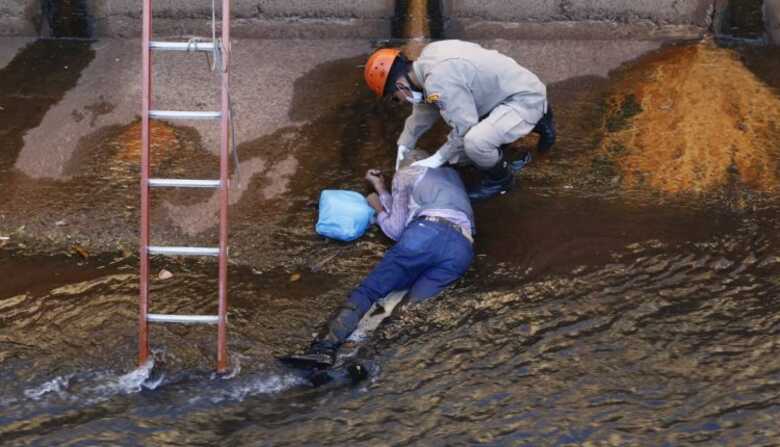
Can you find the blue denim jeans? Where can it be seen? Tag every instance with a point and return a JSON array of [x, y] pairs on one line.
[[429, 257]]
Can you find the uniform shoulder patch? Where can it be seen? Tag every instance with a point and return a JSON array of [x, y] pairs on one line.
[[433, 98]]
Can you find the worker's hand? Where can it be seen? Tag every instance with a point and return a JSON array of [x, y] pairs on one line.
[[376, 204], [434, 161], [402, 150], [376, 179]]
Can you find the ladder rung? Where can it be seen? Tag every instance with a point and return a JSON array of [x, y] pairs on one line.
[[186, 319], [181, 46], [183, 115], [183, 251], [182, 183]]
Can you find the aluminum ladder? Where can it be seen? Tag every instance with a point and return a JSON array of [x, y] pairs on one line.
[[220, 51]]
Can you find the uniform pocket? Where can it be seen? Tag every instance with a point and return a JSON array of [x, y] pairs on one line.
[[509, 125]]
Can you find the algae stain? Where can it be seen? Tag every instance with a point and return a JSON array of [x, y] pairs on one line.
[[744, 18], [68, 18], [621, 115]]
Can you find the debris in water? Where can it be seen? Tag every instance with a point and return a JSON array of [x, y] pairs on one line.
[[684, 115], [164, 274], [317, 266], [124, 251], [295, 277], [80, 250], [60, 223]]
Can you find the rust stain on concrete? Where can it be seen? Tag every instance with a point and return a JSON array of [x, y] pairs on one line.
[[416, 28], [417, 20], [164, 140]]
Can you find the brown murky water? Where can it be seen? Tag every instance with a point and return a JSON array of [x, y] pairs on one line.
[[595, 314]]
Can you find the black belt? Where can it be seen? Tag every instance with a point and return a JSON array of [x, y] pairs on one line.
[[449, 223]]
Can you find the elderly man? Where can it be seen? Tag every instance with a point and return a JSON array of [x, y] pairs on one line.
[[429, 214], [487, 99]]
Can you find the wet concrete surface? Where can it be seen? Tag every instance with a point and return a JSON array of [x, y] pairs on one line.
[[67, 18], [593, 315], [744, 18], [106, 84], [36, 79]]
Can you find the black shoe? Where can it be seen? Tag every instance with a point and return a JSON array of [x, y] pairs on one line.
[[546, 130], [494, 181], [320, 355], [351, 374], [518, 165]]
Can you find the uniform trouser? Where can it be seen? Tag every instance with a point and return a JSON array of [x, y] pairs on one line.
[[505, 124], [429, 257]]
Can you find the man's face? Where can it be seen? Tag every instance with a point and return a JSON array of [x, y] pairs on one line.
[[402, 91]]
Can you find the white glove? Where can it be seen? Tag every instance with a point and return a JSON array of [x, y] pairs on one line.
[[434, 161], [402, 150]]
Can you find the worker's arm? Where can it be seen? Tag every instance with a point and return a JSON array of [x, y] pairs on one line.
[[448, 89], [423, 117]]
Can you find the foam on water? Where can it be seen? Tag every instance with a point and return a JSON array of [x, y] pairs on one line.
[[132, 382], [262, 385], [56, 385]]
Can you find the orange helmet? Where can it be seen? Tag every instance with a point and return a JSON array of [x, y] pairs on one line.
[[378, 69]]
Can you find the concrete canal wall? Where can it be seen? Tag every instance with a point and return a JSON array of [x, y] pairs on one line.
[[582, 19], [373, 19], [19, 17], [772, 18]]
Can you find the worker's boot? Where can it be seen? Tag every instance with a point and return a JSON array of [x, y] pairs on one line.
[[546, 130], [496, 180], [322, 351]]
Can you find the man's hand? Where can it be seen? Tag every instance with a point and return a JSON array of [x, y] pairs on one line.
[[376, 204], [377, 180], [434, 161]]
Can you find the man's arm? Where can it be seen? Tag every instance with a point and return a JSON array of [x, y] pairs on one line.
[[423, 117], [375, 202], [394, 211]]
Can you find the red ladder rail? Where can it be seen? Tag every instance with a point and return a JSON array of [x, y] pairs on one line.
[[145, 249]]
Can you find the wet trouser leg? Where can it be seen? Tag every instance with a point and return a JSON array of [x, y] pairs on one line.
[[504, 125], [429, 257], [482, 144]]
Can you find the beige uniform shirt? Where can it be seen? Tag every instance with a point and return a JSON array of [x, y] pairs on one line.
[[464, 82]]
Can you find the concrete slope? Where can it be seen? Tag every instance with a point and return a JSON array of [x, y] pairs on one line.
[[262, 80], [9, 46], [265, 82]]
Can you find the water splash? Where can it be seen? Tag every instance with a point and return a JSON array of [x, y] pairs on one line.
[[275, 383], [56, 385]]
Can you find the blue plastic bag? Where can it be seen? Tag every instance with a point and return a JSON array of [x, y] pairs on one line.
[[344, 215]]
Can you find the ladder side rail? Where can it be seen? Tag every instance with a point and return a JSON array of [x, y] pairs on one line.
[[222, 358], [143, 258]]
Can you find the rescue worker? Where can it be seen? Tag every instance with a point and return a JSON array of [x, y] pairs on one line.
[[429, 213], [487, 99]]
